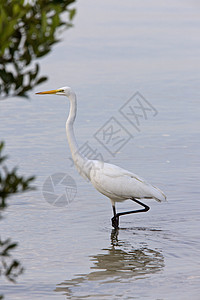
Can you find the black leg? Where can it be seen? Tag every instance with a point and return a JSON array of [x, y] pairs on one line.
[[115, 219]]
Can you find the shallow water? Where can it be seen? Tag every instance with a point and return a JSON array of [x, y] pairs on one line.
[[71, 252]]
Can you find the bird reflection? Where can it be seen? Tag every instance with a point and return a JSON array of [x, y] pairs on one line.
[[118, 263]]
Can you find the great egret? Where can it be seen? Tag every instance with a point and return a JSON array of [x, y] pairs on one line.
[[110, 180]]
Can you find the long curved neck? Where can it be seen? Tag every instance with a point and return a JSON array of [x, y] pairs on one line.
[[80, 161]]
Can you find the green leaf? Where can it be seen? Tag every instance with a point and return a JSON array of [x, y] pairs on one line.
[[72, 13], [41, 79]]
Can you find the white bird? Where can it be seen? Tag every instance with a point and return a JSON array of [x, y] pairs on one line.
[[112, 181]]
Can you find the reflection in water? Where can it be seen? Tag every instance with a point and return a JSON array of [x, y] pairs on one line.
[[119, 263], [28, 31]]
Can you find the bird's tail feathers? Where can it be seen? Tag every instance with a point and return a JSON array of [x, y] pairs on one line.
[[158, 195]]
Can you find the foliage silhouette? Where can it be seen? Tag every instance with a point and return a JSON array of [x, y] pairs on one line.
[[28, 30], [10, 184]]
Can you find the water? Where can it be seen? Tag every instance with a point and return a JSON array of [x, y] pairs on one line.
[[72, 252]]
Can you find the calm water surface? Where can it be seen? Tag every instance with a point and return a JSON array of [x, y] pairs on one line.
[[71, 252]]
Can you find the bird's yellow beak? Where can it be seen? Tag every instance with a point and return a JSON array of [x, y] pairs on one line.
[[49, 92]]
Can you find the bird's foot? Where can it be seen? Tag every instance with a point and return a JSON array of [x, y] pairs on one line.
[[115, 221]]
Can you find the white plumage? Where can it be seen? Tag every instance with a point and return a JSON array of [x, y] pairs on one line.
[[112, 181], [119, 184]]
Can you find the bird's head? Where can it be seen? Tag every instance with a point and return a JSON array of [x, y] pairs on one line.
[[64, 91]]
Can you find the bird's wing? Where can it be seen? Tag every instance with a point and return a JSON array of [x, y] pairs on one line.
[[114, 171], [118, 183]]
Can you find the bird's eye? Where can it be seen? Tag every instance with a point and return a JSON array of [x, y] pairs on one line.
[[61, 91]]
